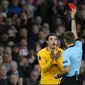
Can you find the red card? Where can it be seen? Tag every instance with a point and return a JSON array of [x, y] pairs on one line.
[[71, 5]]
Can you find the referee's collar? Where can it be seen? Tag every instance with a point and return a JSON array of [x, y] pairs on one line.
[[71, 46]]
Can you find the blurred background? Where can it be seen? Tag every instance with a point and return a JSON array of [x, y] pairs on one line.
[[24, 26]]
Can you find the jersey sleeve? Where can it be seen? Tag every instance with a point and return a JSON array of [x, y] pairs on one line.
[[78, 43], [66, 59], [44, 66]]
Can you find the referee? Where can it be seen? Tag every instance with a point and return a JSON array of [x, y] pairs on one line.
[[72, 56]]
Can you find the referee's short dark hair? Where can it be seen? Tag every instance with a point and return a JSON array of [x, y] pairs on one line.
[[69, 37], [51, 34]]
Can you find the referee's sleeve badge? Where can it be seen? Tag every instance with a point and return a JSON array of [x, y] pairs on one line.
[[65, 62]]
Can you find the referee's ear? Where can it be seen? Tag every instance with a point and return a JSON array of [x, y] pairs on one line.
[[65, 42]]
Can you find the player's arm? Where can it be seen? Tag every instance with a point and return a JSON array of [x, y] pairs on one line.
[[64, 72], [74, 30], [60, 62], [66, 66], [73, 23], [44, 66]]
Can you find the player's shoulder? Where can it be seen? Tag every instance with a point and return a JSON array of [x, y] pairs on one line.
[[60, 49], [42, 51]]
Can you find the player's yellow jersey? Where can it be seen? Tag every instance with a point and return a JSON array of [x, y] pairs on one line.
[[49, 67]]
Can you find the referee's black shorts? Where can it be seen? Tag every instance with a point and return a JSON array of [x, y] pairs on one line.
[[71, 81]]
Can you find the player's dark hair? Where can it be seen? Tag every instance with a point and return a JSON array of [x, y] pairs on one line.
[[69, 37], [51, 34]]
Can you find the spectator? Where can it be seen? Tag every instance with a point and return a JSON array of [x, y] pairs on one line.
[[4, 7], [7, 49], [7, 61], [14, 9], [79, 29], [37, 68], [15, 52], [46, 29], [1, 49], [12, 33], [30, 8], [14, 70], [33, 36], [23, 51], [14, 80], [3, 28], [33, 80], [42, 9], [23, 33], [38, 21], [9, 21], [42, 39], [18, 25], [1, 61], [3, 77], [3, 72], [10, 43], [60, 30], [37, 47]]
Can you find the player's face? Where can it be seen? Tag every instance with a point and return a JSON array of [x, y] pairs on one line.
[[52, 42]]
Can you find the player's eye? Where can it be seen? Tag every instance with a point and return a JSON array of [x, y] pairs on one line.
[[51, 39], [55, 39]]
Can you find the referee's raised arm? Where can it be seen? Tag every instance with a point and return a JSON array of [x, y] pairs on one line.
[[73, 23]]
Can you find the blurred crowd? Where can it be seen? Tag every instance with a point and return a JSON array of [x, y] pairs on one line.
[[24, 26]]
